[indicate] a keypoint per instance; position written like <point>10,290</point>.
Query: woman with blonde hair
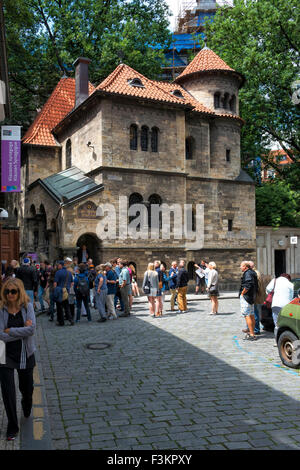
<point>150,287</point>
<point>17,328</point>
<point>213,287</point>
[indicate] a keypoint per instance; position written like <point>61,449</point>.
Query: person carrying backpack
<point>82,291</point>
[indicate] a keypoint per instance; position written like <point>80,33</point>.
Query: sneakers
<point>248,337</point>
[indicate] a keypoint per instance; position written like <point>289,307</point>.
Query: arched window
<point>217,97</point>
<point>144,138</point>
<point>189,148</point>
<point>232,103</point>
<point>134,198</point>
<point>154,139</point>
<point>68,153</point>
<point>133,137</point>
<point>154,199</point>
<point>225,101</point>
<point>32,210</point>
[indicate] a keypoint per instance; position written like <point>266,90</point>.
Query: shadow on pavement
<point>152,389</point>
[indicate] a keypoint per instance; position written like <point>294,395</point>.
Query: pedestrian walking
<point>63,280</point>
<point>17,328</point>
<point>101,292</point>
<point>213,287</point>
<point>150,287</point>
<point>283,293</point>
<point>82,291</point>
<point>247,294</point>
<point>182,286</point>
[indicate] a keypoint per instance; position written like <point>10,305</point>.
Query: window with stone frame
<point>225,101</point>
<point>68,153</point>
<point>144,138</point>
<point>217,100</point>
<point>133,137</point>
<point>134,198</point>
<point>154,139</point>
<point>228,155</point>
<point>189,148</point>
<point>154,199</point>
<point>232,104</point>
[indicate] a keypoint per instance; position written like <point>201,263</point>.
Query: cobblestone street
<point>184,381</point>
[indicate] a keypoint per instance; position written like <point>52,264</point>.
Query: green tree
<point>44,37</point>
<point>261,39</point>
<point>277,205</point>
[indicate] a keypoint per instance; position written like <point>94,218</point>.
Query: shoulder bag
<point>269,298</point>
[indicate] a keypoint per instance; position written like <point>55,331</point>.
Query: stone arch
<point>93,245</point>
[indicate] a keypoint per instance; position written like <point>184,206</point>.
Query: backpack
<point>83,286</point>
<point>91,278</point>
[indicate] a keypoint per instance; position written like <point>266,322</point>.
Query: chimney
<point>81,80</point>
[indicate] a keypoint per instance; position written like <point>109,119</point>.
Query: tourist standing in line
<point>82,291</point>
<point>111,280</point>
<point>213,287</point>
<point>247,295</point>
<point>173,281</point>
<point>182,286</point>
<point>124,283</point>
<point>29,276</point>
<point>63,279</point>
<point>283,293</point>
<point>17,328</point>
<point>151,281</point>
<point>101,292</point>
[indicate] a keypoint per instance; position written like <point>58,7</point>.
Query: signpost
<point>10,159</point>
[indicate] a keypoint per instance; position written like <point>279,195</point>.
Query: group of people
<point>253,293</point>
<point>157,281</point>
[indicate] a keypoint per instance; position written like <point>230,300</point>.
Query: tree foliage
<point>45,37</point>
<point>261,39</point>
<point>277,204</point>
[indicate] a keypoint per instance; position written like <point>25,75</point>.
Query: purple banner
<point>10,159</point>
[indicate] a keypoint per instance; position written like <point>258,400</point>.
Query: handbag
<point>60,294</point>
<point>146,287</point>
<point>269,298</point>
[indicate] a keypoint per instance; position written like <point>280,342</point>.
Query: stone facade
<point>99,139</point>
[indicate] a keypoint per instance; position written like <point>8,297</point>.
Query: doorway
<point>280,262</point>
<point>93,246</point>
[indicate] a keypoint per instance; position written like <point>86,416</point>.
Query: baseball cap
<point>108,264</point>
<point>68,259</point>
<point>91,266</point>
<point>26,261</point>
<point>61,262</point>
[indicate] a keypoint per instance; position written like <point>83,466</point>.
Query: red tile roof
<point>206,60</point>
<point>59,104</point>
<point>118,82</point>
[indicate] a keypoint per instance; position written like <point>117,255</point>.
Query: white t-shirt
<point>284,291</point>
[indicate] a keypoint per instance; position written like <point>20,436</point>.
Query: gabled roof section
<point>121,81</point>
<point>205,61</point>
<point>58,105</point>
<point>69,185</point>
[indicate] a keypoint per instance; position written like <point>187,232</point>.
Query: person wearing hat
<point>29,276</point>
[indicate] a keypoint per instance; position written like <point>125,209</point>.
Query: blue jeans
<point>100,302</point>
<point>85,300</point>
<point>30,295</point>
<point>40,297</point>
<point>257,309</point>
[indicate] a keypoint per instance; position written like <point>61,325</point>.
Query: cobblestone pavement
<point>183,381</point>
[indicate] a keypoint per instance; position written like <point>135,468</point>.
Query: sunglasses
<point>10,291</point>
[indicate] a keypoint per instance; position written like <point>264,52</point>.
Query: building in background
<point>189,29</point>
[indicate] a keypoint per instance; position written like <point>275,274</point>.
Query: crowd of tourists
<point>73,286</point>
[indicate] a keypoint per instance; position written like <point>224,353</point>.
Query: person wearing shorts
<point>247,294</point>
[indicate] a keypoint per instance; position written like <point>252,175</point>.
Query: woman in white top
<point>283,294</point>
<point>213,287</point>
<point>151,279</point>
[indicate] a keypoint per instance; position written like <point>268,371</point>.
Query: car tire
<point>289,356</point>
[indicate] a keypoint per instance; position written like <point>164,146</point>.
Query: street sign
<point>294,240</point>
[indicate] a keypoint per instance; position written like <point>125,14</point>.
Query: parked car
<point>296,283</point>
<point>287,334</point>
